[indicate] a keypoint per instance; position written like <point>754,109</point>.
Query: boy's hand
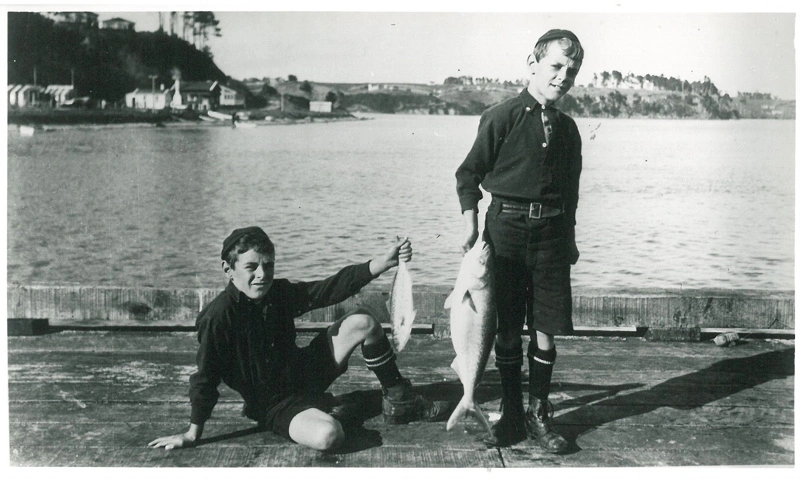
<point>178,441</point>
<point>399,252</point>
<point>572,250</point>
<point>470,230</point>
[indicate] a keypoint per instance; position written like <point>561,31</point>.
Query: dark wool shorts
<point>532,271</point>
<point>317,369</point>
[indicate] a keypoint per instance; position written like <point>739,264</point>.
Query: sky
<point>743,48</point>
<point>739,49</point>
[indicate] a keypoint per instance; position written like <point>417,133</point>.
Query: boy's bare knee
<point>328,437</point>
<point>362,326</point>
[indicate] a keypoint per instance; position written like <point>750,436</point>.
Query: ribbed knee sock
<point>381,360</point>
<point>541,364</point>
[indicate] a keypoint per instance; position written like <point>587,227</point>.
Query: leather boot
<point>510,429</point>
<point>539,423</point>
<point>402,405</point>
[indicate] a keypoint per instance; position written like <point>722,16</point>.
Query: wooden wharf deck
<point>96,398</point>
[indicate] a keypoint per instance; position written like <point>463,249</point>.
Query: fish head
<point>476,265</point>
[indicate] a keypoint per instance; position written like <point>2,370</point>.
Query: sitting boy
<point>247,339</point>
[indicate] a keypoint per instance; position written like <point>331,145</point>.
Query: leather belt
<point>533,210</point>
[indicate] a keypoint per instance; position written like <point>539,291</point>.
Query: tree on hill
<point>105,63</point>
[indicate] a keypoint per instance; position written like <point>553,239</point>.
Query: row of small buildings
<point>200,96</point>
<point>32,95</point>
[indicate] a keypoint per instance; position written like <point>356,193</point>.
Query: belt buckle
<point>535,211</point>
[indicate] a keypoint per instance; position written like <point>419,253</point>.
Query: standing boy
<point>247,339</point>
<point>528,156</point>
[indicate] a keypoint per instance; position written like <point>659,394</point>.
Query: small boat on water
<point>219,116</point>
<point>25,130</point>
<point>244,124</point>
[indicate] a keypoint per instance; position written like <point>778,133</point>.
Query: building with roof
<point>59,94</point>
<point>149,99</point>
<point>230,97</point>
<point>200,96</point>
<point>117,23</point>
<point>25,95</point>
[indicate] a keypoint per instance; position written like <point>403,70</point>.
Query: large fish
<point>473,325</point>
<point>401,307</point>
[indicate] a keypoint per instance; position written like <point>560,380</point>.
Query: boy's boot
<point>539,417</point>
<point>510,429</point>
<point>402,405</point>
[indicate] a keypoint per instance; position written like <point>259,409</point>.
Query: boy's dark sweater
<point>511,159</point>
<point>251,345</point>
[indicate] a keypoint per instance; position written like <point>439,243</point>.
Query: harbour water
<point>664,203</point>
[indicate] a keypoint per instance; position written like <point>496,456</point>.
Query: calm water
<point>664,204</point>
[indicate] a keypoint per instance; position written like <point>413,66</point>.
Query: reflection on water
<point>664,204</point>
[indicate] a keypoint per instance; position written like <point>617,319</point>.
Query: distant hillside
<point>105,64</point>
<point>580,102</point>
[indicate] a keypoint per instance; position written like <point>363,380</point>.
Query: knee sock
<point>541,371</point>
<point>509,364</point>
<point>381,360</point>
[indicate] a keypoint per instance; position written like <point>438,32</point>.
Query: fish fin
<point>460,412</point>
<point>477,413</point>
<point>448,303</point>
<point>468,299</point>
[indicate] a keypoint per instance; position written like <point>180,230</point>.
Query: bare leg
<point>348,333</point>
<point>316,429</point>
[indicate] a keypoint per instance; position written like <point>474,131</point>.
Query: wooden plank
<point>94,399</point>
<point>27,326</point>
<point>534,457</point>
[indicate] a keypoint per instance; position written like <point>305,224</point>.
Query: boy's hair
<point>567,40</point>
<point>243,240</point>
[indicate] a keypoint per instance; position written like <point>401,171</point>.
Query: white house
<point>320,106</point>
<point>12,94</point>
<point>117,23</point>
<point>26,95</point>
<point>230,97</point>
<point>147,99</point>
<point>60,93</point>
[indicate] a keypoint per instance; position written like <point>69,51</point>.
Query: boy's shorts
<point>317,366</point>
<point>532,271</point>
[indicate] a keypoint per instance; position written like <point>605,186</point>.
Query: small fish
<point>473,325</point>
<point>401,307</point>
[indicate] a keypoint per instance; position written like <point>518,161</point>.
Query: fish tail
<point>461,410</point>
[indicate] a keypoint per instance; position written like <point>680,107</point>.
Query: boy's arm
<point>305,296</point>
<point>479,161</point>
<point>470,229</point>
<point>203,384</point>
<point>571,203</point>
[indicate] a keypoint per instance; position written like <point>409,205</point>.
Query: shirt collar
<point>233,291</point>
<point>529,101</point>
<point>237,295</point>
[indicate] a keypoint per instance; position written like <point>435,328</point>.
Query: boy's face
<point>252,274</point>
<point>552,76</point>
